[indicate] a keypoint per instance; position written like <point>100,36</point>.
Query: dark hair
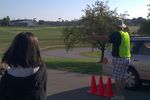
<point>24,51</point>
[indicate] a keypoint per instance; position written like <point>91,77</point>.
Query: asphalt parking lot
<point>74,86</point>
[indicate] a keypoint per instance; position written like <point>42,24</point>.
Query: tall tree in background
<point>145,26</point>
<point>98,18</point>
<point>148,16</point>
<point>5,21</point>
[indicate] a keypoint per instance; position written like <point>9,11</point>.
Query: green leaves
<point>98,18</point>
<point>74,35</point>
<point>144,28</point>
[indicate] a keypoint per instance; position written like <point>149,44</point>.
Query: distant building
<point>28,22</point>
<point>25,22</point>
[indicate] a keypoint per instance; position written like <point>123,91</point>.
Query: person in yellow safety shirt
<point>121,55</point>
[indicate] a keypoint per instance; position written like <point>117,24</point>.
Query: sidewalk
<point>75,53</point>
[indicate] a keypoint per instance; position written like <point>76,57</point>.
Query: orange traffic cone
<point>100,89</point>
<point>93,85</point>
<point>108,91</point>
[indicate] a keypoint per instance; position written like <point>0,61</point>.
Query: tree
<point>137,21</point>
<point>149,12</point>
<point>41,22</point>
<point>0,22</point>
<point>98,18</point>
<point>5,21</point>
<point>145,26</point>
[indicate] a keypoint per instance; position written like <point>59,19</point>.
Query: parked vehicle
<point>139,68</point>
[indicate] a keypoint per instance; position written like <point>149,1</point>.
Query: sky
<point>51,10</point>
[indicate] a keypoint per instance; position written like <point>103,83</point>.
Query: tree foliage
<point>5,21</point>
<point>98,18</point>
<point>148,16</point>
<point>41,22</point>
<point>145,26</point>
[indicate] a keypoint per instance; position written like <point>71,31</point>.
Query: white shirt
<point>22,72</point>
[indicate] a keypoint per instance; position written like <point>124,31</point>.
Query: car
<point>139,68</point>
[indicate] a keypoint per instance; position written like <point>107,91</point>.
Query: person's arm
<point>96,37</point>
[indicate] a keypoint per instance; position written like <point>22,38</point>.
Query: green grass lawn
<point>47,36</point>
<point>86,66</point>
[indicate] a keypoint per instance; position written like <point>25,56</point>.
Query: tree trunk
<point>103,52</point>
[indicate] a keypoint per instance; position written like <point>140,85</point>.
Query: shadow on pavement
<point>78,94</point>
<point>81,94</point>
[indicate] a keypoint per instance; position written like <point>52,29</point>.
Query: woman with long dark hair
<point>25,77</point>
